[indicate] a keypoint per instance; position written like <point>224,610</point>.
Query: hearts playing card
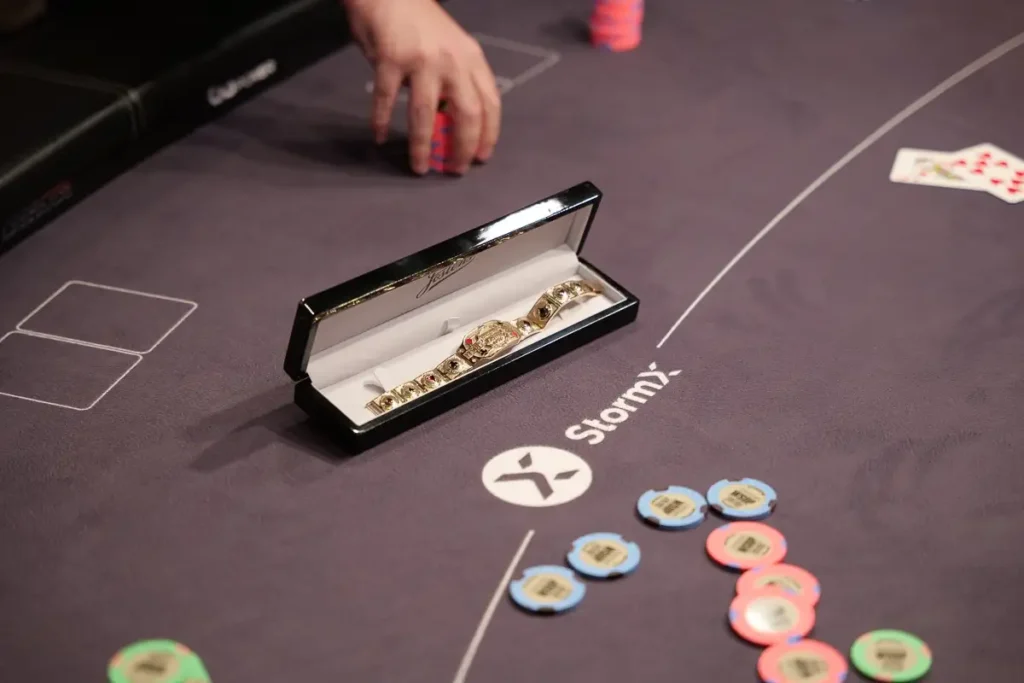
<point>931,167</point>
<point>992,169</point>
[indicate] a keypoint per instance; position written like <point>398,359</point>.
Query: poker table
<point>854,342</point>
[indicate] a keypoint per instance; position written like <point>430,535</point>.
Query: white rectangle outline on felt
<point>98,347</point>
<point>20,327</point>
<point>549,59</point>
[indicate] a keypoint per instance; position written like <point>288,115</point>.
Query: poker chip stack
<point>440,141</point>
<point>616,25</point>
<point>774,606</point>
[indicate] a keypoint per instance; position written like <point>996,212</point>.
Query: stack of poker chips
<point>440,140</point>
<point>616,25</point>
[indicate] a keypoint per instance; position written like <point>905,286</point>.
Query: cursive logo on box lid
<point>442,273</point>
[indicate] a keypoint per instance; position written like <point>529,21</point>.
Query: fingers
<point>461,75</point>
<point>477,111</point>
<point>386,83</point>
<point>490,101</point>
<point>424,94</point>
<point>469,116</point>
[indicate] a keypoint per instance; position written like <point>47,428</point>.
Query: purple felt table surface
<point>866,358</point>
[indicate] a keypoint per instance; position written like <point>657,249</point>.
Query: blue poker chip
<point>747,499</point>
<point>675,508</point>
<point>604,555</point>
<point>547,589</point>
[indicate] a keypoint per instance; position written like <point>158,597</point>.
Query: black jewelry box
<point>357,340</point>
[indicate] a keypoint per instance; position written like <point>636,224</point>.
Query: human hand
<point>418,42</point>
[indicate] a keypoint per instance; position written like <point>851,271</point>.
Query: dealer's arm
<point>418,42</point>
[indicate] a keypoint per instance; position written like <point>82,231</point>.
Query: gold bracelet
<point>486,342</point>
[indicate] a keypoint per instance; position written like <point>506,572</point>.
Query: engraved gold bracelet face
<point>488,341</point>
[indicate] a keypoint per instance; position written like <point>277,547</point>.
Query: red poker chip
<point>440,140</point>
<point>617,18</point>
<point>745,545</point>
<point>614,32</point>
<point>796,580</point>
<point>802,661</point>
<point>443,122</point>
<point>623,43</point>
<point>770,616</point>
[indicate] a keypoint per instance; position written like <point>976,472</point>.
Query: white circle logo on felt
<point>537,476</point>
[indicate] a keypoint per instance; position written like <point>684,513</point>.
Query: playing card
<point>993,169</point>
<point>930,167</point>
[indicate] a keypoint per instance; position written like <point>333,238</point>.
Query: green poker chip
<point>157,661</point>
<point>891,656</point>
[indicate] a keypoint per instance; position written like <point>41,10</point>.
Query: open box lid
<point>351,308</point>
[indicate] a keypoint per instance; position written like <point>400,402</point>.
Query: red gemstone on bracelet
<point>469,341</point>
